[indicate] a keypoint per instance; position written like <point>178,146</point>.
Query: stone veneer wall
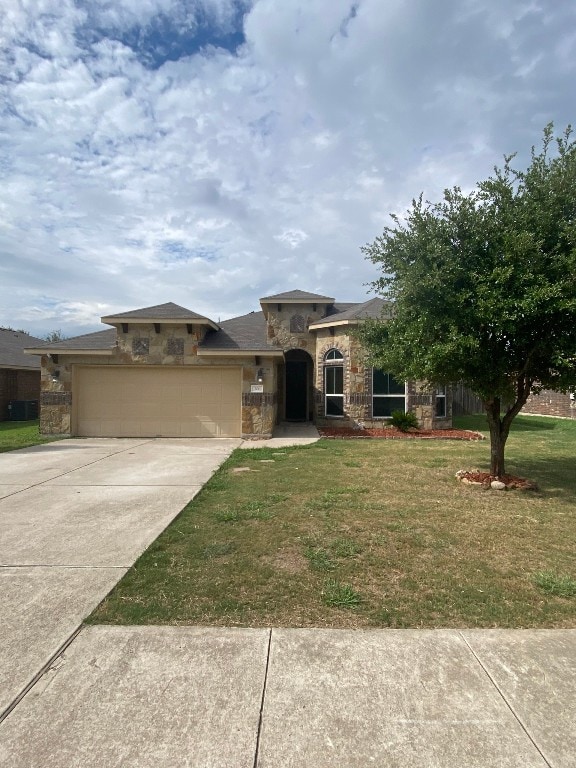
<point>173,346</point>
<point>358,388</point>
<point>259,410</point>
<point>282,327</point>
<point>287,329</point>
<point>356,399</point>
<point>549,403</point>
<point>17,384</point>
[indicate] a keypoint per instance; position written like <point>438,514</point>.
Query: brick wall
<point>17,385</point>
<point>549,403</point>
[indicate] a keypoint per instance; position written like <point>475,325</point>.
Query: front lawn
<point>369,534</point>
<point>22,434</point>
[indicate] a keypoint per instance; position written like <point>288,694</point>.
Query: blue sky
<point>209,152</point>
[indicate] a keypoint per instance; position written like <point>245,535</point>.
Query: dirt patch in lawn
<point>392,433</point>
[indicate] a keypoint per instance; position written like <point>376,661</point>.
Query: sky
<point>211,152</point>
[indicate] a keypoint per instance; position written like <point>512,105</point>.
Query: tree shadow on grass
<point>520,423</point>
<point>532,424</point>
<point>555,476</point>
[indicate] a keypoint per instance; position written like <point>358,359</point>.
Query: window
<point>440,402</point>
<point>334,383</point>
<point>387,394</point>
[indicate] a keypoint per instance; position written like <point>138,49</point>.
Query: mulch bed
<point>392,433</point>
<point>512,482</point>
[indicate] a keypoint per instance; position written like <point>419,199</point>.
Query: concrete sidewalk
<point>285,435</point>
<point>166,697</point>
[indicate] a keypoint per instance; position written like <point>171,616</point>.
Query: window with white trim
<point>440,409</point>
<point>334,383</point>
<point>387,394</point>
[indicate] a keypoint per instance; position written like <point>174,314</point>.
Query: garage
<point>124,401</point>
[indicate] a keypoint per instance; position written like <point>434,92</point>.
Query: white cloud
<point>220,177</point>
<point>293,238</point>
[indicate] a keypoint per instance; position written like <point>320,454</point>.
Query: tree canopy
<point>55,336</point>
<point>484,287</point>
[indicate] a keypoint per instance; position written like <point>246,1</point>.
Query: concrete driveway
<point>74,516</point>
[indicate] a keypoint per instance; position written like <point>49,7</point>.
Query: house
<point>171,372</point>
<point>19,373</point>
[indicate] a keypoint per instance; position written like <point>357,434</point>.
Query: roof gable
<point>160,313</point>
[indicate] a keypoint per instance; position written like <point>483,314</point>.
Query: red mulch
<point>392,433</point>
<point>485,478</point>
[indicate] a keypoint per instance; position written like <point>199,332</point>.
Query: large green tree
<point>484,287</point>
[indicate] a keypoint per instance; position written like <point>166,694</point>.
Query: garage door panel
<point>157,402</point>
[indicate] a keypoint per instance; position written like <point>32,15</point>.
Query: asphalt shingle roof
<point>245,332</point>
<point>297,296</point>
<point>168,311</point>
<point>368,309</point>
<point>12,344</point>
<point>104,340</point>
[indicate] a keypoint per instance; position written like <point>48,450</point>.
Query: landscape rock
<point>498,485</point>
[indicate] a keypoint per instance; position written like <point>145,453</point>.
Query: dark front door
<point>296,390</point>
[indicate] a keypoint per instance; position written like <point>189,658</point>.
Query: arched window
<point>334,383</point>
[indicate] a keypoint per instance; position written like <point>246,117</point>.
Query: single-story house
<point>19,373</point>
<point>168,371</point>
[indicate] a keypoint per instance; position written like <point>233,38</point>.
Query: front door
<point>296,390</point>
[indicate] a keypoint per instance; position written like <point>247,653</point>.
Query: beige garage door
<point>157,402</point>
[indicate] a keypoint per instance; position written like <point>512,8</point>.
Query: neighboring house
<point>167,371</point>
<point>19,373</point>
<point>549,403</point>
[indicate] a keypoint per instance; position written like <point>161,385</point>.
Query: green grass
<point>563,586</point>
<point>369,534</point>
<point>22,434</point>
<point>340,595</point>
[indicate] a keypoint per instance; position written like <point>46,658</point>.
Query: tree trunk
<point>500,426</point>
<point>498,436</point>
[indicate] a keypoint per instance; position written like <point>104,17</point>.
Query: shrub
<point>404,421</point>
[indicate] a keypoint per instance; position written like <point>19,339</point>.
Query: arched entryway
<point>298,404</point>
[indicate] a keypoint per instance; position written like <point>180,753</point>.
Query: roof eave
<point>239,352</point>
<point>318,325</point>
<point>56,351</point>
<point>115,320</point>
<point>323,300</point>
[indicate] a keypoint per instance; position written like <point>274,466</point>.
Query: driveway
<point>74,516</point>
